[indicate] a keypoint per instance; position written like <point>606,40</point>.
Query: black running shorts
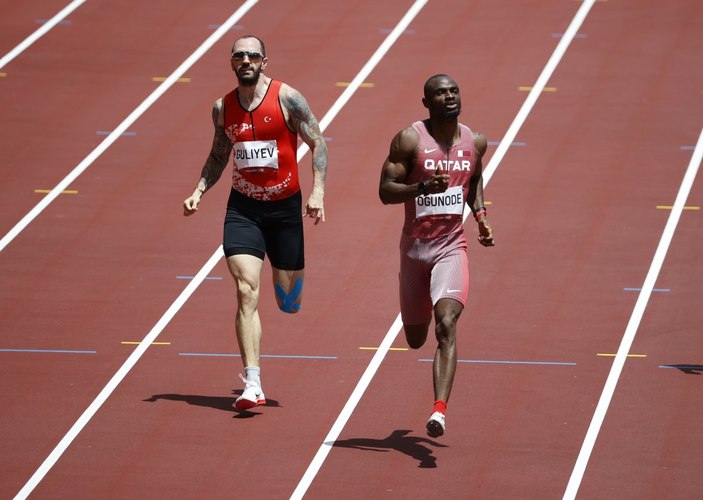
<point>259,228</point>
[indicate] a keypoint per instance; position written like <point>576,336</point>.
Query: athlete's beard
<point>451,113</point>
<point>249,81</point>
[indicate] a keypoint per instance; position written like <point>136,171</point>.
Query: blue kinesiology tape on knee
<point>288,299</point>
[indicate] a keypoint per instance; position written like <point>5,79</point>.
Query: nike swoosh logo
<point>430,150</point>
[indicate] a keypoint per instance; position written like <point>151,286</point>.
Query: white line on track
<point>632,326</point>
<point>127,122</point>
<point>371,369</point>
<point>83,420</point>
<point>217,255</point>
<point>395,328</point>
<point>43,30</point>
<point>537,89</point>
<point>212,261</point>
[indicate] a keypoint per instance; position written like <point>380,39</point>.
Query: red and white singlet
<point>433,257</point>
<point>264,148</point>
<point>440,214</point>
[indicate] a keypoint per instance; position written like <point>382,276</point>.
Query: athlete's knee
<point>247,294</point>
<point>446,324</point>
<point>415,335</point>
<point>446,317</point>
<point>290,301</point>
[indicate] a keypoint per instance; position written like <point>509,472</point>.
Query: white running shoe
<point>435,425</point>
<point>251,396</point>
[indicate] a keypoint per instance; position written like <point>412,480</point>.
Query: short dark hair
<point>429,81</point>
<point>261,42</point>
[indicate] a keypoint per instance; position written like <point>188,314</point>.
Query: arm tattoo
<point>219,154</point>
<point>305,123</point>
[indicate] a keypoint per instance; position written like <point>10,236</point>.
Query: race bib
<point>451,202</point>
<point>255,154</point>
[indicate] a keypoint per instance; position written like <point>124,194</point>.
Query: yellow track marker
<point>65,191</point>
<point>669,207</point>
<point>390,349</point>
<point>545,89</point>
<point>128,342</point>
<point>629,355</point>
<point>163,79</point>
<point>346,84</point>
<point>3,74</point>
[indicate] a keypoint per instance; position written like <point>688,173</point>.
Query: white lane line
<point>371,369</point>
<point>190,288</point>
<point>537,89</point>
<point>141,348</point>
<point>126,123</point>
<point>175,306</point>
<point>632,326</point>
<point>44,29</point>
<point>395,328</point>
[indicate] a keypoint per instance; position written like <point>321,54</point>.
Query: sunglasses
<point>254,57</point>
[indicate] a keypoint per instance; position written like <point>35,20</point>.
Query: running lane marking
<point>126,123</point>
<point>392,333</point>
<point>215,258</point>
<point>83,420</point>
<point>634,323</point>
<point>112,384</point>
<point>44,29</point>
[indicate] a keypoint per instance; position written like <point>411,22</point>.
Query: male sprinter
<point>257,124</point>
<point>434,167</point>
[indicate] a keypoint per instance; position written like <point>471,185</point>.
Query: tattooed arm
<point>216,160</point>
<point>300,118</point>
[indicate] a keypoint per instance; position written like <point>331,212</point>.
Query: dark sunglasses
<point>254,57</point>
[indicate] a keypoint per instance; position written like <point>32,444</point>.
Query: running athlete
<point>434,167</point>
<point>257,124</point>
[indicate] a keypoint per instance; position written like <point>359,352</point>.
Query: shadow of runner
<point>687,368</point>
<point>216,402</point>
<point>398,440</point>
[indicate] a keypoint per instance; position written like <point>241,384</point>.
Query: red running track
<point>574,205</point>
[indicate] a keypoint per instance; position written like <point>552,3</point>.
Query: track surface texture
<point>547,403</point>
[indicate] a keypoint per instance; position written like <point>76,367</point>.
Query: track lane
<point>175,427</point>
<point>100,83</point>
<point>172,240</point>
<point>557,320</point>
<point>21,20</point>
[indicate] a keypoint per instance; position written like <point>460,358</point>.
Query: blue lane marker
<point>123,134</point>
<point>489,361</point>
<point>683,367</point>
<point>687,148</point>
<point>233,355</point>
<point>687,369</point>
<point>55,351</point>
<point>653,289</point>
<point>191,277</point>
<point>512,144</point>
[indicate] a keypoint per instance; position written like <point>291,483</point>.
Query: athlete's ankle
<point>440,406</point>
